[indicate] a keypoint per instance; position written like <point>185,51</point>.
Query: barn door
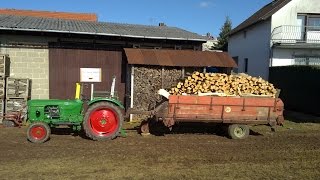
<point>64,71</point>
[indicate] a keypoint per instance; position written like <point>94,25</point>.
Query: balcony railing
<point>305,60</point>
<point>296,34</point>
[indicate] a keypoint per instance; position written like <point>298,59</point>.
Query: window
<point>307,29</point>
<point>301,22</point>
<point>244,34</point>
<point>246,65</point>
<point>314,23</point>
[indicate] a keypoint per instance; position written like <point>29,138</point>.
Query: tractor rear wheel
<point>238,131</point>
<point>38,132</point>
<point>102,121</point>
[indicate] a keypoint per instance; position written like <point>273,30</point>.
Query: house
<point>50,48</point>
<point>282,33</point>
<point>210,44</point>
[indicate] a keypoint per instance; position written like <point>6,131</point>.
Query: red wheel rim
<point>103,122</point>
<point>38,132</point>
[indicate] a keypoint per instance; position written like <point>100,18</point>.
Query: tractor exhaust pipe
<point>113,85</point>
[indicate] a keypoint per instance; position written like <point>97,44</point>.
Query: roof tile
<point>101,28</point>
<point>262,14</point>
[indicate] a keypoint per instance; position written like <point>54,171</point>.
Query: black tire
<point>91,131</point>
<point>41,128</point>
<point>238,131</point>
<point>144,127</point>
<point>8,123</point>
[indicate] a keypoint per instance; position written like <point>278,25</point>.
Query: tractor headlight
<point>37,113</point>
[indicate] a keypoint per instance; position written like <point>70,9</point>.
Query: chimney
<point>162,24</point>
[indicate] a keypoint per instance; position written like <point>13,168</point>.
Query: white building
<point>282,33</point>
<point>210,44</point>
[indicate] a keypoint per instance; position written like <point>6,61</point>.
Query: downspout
<point>271,56</point>
<point>131,91</point>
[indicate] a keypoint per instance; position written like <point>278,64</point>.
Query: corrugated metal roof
<point>25,23</point>
<point>261,15</point>
<point>182,58</point>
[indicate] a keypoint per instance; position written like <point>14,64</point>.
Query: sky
<point>199,16</point>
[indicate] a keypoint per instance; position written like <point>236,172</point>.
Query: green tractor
<point>102,120</point>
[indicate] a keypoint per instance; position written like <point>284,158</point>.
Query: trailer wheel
<point>144,127</point>
<point>38,132</point>
<point>238,131</point>
<point>102,121</point>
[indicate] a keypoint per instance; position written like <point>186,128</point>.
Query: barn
<point>52,49</point>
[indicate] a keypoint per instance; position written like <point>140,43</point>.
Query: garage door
<point>64,71</point>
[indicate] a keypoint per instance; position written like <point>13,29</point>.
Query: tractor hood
<point>52,110</point>
<point>53,102</point>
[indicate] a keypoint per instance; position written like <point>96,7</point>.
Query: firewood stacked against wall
<point>171,76</point>
<point>223,84</point>
<point>147,81</point>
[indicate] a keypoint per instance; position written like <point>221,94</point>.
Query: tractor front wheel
<point>38,132</point>
<point>102,121</point>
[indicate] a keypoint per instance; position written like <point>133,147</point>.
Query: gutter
<point>102,34</point>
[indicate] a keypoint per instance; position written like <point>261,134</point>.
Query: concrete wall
<point>30,60</point>
<point>285,57</point>
<point>255,46</point>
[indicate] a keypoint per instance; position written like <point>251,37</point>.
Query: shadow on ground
<point>299,117</point>
<point>158,129</point>
<point>68,131</point>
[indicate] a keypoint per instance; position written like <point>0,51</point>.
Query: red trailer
<point>236,112</point>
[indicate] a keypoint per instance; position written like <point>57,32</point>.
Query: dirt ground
<point>293,152</point>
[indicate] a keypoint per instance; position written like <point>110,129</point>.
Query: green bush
<point>300,87</point>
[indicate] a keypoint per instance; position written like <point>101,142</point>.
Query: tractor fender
<point>113,101</point>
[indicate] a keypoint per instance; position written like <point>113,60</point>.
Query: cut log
<point>231,85</point>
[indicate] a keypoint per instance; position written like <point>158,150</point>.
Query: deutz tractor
<point>101,121</point>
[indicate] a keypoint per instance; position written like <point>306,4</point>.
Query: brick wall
<point>32,63</point>
<point>51,14</point>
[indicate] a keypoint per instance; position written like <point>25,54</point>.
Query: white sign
<point>90,74</point>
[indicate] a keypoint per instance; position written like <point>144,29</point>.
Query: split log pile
<point>171,76</point>
<point>223,85</point>
<point>148,80</point>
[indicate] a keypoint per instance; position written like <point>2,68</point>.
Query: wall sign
<point>90,74</point>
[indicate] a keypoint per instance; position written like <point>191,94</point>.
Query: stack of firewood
<point>147,81</point>
<point>224,85</point>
